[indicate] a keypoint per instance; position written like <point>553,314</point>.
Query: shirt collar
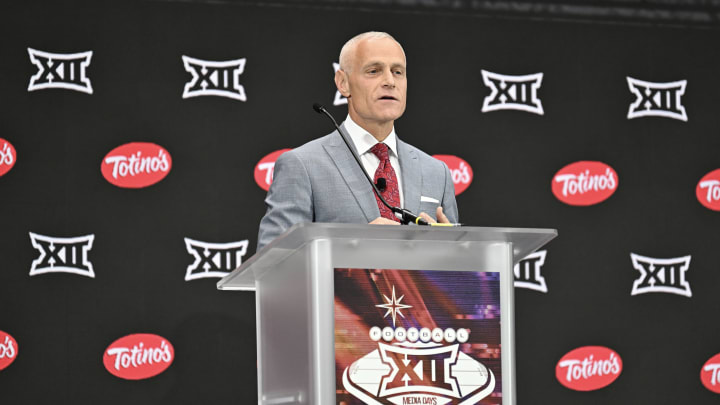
<point>364,141</point>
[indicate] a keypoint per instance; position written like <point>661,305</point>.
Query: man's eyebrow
<point>379,64</point>
<point>373,64</point>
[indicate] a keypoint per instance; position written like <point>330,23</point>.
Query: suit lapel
<point>411,176</point>
<point>352,174</point>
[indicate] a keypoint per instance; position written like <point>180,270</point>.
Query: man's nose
<point>388,79</point>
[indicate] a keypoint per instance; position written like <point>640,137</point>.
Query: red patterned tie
<point>385,170</point>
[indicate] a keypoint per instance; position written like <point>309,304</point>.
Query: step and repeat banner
<point>137,142</point>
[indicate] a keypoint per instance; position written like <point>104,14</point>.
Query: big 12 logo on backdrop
<point>460,171</point>
<point>708,190</point>
<point>710,374</point>
<point>60,71</point>
<point>585,183</point>
<point>136,165</point>
<point>62,255</point>
<point>214,78</point>
<point>661,275</point>
<point>339,98</point>
<point>8,156</point>
<point>265,168</point>
<point>213,259</point>
<point>510,92</point>
<point>138,356</point>
<point>588,368</point>
<point>657,99</point>
<point>8,349</point>
<point>528,272</point>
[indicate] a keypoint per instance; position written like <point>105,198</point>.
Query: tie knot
<point>380,150</point>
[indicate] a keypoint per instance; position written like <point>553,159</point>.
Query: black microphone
<point>406,216</point>
<point>381,184</point>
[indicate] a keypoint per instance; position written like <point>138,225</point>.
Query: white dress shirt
<point>363,142</point>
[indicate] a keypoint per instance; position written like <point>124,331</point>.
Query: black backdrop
<point>63,322</point>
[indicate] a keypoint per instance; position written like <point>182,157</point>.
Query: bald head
<point>347,53</point>
<point>372,77</point>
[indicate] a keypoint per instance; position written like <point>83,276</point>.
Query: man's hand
<point>438,213</point>
<point>383,221</point>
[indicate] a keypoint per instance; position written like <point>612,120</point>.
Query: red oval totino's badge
<point>710,374</point>
<point>589,368</point>
<point>460,170</point>
<point>138,356</point>
<point>708,190</point>
<point>8,350</point>
<point>265,168</point>
<point>136,165</point>
<point>584,183</point>
<point>7,156</point>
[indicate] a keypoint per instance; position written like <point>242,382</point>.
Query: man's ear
<point>341,83</point>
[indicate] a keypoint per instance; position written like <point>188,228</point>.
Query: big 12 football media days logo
<point>417,337</point>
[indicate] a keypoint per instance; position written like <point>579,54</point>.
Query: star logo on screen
<point>393,306</point>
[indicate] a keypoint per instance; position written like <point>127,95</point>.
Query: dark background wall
<point>64,322</point>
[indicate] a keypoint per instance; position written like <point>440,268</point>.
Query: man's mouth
<point>388,98</point>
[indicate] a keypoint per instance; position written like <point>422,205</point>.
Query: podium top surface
<point>524,241</point>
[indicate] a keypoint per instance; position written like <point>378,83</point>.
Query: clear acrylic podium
<point>292,278</point>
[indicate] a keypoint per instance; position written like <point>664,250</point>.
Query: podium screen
<point>417,337</point>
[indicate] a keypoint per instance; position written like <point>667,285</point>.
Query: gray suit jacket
<point>321,182</point>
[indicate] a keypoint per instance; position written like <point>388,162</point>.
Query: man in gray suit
<point>321,182</point>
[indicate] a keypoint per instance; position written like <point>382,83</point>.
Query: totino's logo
<point>8,156</point>
<point>62,255</point>
<point>60,71</point>
<point>708,190</point>
<point>138,356</point>
<point>661,275</point>
<point>709,374</point>
<point>528,272</point>
<point>420,366</point>
<point>136,165</point>
<point>512,92</point>
<point>584,183</point>
<point>460,170</point>
<point>339,98</point>
<point>8,350</point>
<point>213,259</point>
<point>588,368</point>
<point>265,168</point>
<point>657,99</point>
<point>211,78</point>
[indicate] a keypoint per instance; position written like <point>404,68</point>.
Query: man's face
<point>376,84</point>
